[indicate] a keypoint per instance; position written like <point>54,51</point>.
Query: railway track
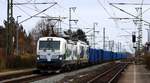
<point>27,78</point>
<point>109,76</point>
<point>20,79</point>
<point>15,74</point>
<point>105,74</point>
<point>24,77</point>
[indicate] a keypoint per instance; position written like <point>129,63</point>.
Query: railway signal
<point>133,37</point>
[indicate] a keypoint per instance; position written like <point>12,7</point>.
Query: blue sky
<point>87,12</point>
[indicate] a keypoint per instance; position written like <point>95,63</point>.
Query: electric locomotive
<point>58,53</point>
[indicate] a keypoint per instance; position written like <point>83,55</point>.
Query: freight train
<point>54,53</point>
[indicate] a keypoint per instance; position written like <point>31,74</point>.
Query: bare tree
<point>44,28</point>
<point>77,35</point>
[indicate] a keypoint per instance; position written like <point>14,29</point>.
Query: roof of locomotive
<point>61,39</point>
<point>52,38</point>
<point>81,42</point>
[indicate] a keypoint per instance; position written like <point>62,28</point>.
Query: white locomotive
<point>56,53</point>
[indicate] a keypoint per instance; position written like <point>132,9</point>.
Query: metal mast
<point>139,21</point>
<point>58,19</point>
<point>94,25</point>
<point>140,30</point>
<point>104,45</point>
<point>70,18</point>
<point>9,27</point>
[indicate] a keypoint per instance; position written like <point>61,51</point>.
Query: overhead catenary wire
<point>139,45</point>
<point>82,20</point>
<point>108,12</point>
<point>34,3</point>
<point>28,2</point>
<point>38,13</point>
<point>142,3</point>
<point>127,12</point>
<point>23,11</point>
<point>117,25</point>
<point>111,15</point>
<point>37,10</point>
<point>104,8</point>
<point>115,21</point>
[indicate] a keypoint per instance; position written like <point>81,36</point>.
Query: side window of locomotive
<point>82,51</point>
<point>87,51</point>
<point>68,51</point>
<point>74,51</point>
<point>65,47</point>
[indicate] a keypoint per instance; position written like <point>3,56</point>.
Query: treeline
<point>26,49</point>
<point>45,28</point>
<point>27,42</point>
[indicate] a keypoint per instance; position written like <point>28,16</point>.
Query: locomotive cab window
<point>49,45</point>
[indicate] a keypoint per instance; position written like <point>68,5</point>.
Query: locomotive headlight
<point>60,57</point>
<point>38,57</point>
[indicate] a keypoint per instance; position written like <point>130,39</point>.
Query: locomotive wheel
<point>65,68</point>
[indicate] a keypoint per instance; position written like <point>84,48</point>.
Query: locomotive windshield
<point>49,45</point>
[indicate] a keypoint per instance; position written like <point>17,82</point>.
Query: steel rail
<point>117,74</point>
<point>15,74</point>
<point>107,72</point>
<point>13,80</point>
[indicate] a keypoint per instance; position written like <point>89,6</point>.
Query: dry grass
<point>146,58</point>
<point>17,62</point>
